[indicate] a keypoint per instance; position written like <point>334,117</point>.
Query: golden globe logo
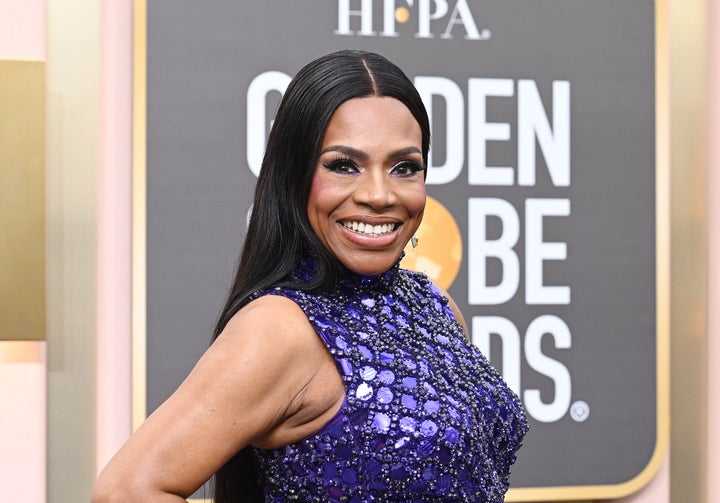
<point>439,247</point>
<point>433,17</point>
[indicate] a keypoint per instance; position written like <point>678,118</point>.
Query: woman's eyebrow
<point>403,152</point>
<point>348,151</point>
<point>363,156</point>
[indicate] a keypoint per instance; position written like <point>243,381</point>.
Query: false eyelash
<point>338,163</point>
<point>414,166</point>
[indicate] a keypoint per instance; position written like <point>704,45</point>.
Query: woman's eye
<point>407,168</point>
<point>341,166</point>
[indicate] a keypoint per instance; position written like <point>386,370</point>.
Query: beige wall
<point>689,157</point>
<point>87,179</point>
<point>73,77</point>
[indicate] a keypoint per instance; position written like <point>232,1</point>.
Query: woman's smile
<point>368,191</point>
<point>369,229</point>
<point>370,235</point>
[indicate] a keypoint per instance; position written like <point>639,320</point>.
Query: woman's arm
<point>246,388</point>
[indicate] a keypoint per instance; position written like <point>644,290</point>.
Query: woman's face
<point>368,191</point>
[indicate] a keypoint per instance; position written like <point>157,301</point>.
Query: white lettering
<point>366,18</point>
<point>425,15</point>
<point>481,248</point>
<point>389,18</point>
<point>462,15</point>
<point>558,329</point>
<point>537,251</point>
<point>454,127</point>
<point>533,123</point>
<point>257,114</point>
<point>480,132</point>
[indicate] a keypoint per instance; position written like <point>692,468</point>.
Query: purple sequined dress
<point>426,418</point>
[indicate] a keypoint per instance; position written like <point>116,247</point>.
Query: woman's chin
<point>371,264</point>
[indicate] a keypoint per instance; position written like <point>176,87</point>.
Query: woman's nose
<point>375,190</point>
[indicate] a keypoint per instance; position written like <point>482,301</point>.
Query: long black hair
<point>279,234</point>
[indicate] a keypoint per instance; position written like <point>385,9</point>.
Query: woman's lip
<point>369,228</point>
<point>370,220</point>
<point>370,240</point>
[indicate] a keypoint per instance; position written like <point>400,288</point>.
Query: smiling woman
<point>334,374</point>
<point>368,191</point>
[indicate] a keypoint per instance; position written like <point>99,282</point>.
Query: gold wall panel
<point>22,200</point>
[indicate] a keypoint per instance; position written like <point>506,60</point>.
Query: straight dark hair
<point>279,234</point>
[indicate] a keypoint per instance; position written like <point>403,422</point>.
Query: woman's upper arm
<point>242,387</point>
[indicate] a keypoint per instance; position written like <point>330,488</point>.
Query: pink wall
<point>22,29</point>
<point>23,364</point>
<point>114,347</point>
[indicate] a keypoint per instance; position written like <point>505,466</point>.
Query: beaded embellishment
<point>426,418</point>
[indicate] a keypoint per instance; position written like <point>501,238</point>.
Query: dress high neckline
<point>307,267</point>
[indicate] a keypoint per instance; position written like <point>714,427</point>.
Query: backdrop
<point>542,213</point>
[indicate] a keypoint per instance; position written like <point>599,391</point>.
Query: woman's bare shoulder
<point>270,317</point>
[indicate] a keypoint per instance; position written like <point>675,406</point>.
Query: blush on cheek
<point>421,199</point>
<point>316,185</point>
<point>318,189</point>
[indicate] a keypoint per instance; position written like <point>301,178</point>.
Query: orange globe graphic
<point>439,246</point>
<point>402,14</point>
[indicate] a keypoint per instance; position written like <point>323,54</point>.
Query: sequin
<point>428,428</point>
<point>364,392</point>
<point>386,377</point>
<point>384,395</point>
<point>367,302</point>
<point>408,424</point>
<point>431,406</point>
<point>386,357</point>
<point>365,351</point>
<point>368,373</point>
<point>381,422</point>
<point>426,418</point>
<point>451,435</point>
<point>409,401</point>
<point>409,382</point>
<point>346,366</point>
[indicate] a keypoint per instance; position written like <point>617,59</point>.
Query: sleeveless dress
<point>426,418</point>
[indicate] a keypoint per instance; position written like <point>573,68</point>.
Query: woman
<point>334,375</point>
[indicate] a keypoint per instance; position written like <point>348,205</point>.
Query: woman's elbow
<point>107,491</point>
<point>112,490</point>
<point>103,493</point>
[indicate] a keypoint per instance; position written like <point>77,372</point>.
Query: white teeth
<point>368,229</point>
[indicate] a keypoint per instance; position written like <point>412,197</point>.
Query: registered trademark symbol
<point>580,411</point>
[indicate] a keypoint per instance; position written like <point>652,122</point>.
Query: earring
<point>414,241</point>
